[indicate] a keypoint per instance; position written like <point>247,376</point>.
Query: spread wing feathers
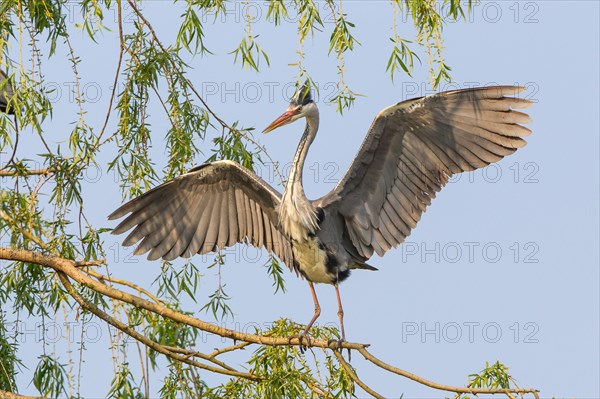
<point>411,150</point>
<point>211,207</point>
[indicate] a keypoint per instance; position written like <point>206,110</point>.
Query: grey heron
<point>409,153</point>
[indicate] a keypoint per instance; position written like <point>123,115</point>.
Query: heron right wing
<point>411,150</point>
<point>213,206</point>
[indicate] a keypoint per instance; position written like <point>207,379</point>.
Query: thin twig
<point>141,290</point>
<point>190,352</point>
<point>354,377</point>
<point>118,71</point>
<point>218,352</point>
<point>448,388</point>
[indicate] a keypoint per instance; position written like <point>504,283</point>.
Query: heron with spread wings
<point>410,151</point>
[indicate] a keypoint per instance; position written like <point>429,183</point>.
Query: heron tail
<point>363,265</point>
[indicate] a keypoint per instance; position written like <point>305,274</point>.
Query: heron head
<point>301,105</point>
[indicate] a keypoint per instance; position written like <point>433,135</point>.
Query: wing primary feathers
<point>423,142</point>
<point>197,241</point>
<point>233,219</point>
<point>212,232</point>
<point>223,222</point>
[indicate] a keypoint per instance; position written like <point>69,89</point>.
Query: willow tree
<point>54,262</point>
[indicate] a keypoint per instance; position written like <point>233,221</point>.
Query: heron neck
<point>297,216</point>
<point>294,183</point>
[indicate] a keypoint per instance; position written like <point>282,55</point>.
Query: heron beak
<point>284,119</point>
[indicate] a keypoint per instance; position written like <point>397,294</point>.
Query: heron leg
<point>317,311</point>
<point>340,311</point>
<point>341,317</point>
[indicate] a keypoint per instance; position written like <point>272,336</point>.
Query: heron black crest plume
<point>411,150</point>
<point>303,95</point>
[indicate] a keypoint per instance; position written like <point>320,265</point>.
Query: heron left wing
<point>211,207</point>
<point>411,150</point>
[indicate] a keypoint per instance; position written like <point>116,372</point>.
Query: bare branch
<point>189,353</point>
<point>448,388</point>
<point>102,277</point>
<point>218,352</point>
<point>88,263</point>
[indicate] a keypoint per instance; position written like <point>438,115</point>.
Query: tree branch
<point>10,395</point>
<point>448,388</point>
<point>28,172</point>
<point>353,375</point>
<point>66,269</point>
<point>139,337</point>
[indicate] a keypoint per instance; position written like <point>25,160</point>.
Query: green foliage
<point>123,385</point>
<point>494,376</point>
<point>217,301</point>
<point>402,57</point>
<point>309,18</point>
<point>429,24</point>
<point>275,270</point>
<point>173,281</point>
<point>288,372</point>
<point>341,39</point>
<point>191,31</point>
<point>8,353</point>
<point>234,146</point>
<point>182,382</point>
<point>344,99</point>
<point>276,11</point>
<point>49,377</point>
<point>165,331</point>
<point>249,53</point>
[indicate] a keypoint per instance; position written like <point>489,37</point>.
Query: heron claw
<point>340,343</point>
<point>301,338</point>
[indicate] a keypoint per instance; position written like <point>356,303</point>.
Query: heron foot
<point>340,343</point>
<point>301,338</point>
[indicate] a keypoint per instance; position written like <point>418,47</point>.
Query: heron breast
<point>319,263</point>
<point>316,264</point>
<point>298,218</point>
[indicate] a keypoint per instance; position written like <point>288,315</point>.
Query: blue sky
<point>503,265</point>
